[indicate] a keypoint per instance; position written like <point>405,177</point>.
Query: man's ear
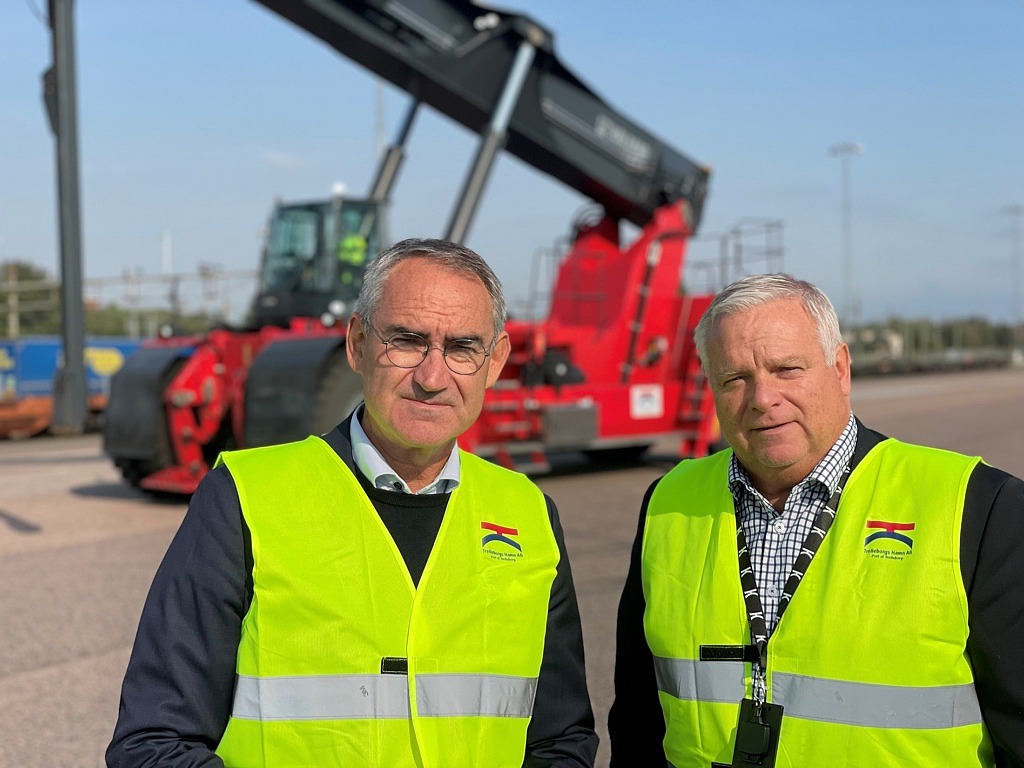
<point>354,343</point>
<point>502,348</point>
<point>842,367</point>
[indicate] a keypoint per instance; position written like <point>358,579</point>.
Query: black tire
<point>338,392</point>
<point>134,470</point>
<point>131,470</point>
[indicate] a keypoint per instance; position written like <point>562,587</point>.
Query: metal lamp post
<point>70,389</point>
<point>844,152</point>
<point>1014,212</point>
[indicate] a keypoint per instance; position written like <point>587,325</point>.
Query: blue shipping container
<point>28,365</point>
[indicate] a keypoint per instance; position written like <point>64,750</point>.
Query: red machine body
<point>204,399</point>
<point>618,370</point>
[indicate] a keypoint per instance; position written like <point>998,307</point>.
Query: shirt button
<point>780,526</point>
<point>773,591</point>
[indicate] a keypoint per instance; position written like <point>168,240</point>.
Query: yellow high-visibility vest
<point>869,658</point>
<point>344,662</point>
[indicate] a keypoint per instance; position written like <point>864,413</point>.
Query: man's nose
<point>432,374</point>
<point>763,393</point>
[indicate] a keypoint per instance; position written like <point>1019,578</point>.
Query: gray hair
<point>451,256</point>
<point>758,290</point>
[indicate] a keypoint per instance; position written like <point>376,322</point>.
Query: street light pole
<point>70,390</point>
<point>844,152</point>
<point>1014,212</point>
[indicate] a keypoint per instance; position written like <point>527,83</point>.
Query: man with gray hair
<point>374,597</point>
<point>818,594</point>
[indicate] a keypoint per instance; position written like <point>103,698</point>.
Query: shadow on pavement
<point>17,524</point>
<point>124,491</point>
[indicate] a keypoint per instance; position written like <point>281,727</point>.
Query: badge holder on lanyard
<point>760,723</point>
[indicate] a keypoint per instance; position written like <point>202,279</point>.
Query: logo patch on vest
<point>499,543</point>
<point>888,541</point>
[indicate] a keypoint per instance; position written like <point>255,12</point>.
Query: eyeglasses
<point>407,350</point>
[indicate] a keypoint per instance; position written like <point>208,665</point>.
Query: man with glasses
<point>374,597</point>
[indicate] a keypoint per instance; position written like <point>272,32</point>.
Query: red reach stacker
<point>609,371</point>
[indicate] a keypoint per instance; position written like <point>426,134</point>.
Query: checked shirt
<point>775,539</point>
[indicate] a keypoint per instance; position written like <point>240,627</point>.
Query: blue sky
<point>195,115</point>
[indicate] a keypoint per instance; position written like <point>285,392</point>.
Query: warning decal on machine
<point>646,401</point>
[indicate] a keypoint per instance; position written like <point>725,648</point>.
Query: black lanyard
<point>755,611</point>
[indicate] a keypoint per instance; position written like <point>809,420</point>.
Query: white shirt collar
<point>376,468</point>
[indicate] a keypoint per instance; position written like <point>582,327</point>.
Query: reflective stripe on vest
<point>475,695</point>
<point>877,706</point>
<point>343,697</point>
<point>874,706</point>
<point>718,681</point>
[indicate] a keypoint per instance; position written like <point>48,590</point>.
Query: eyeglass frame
<point>488,349</point>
